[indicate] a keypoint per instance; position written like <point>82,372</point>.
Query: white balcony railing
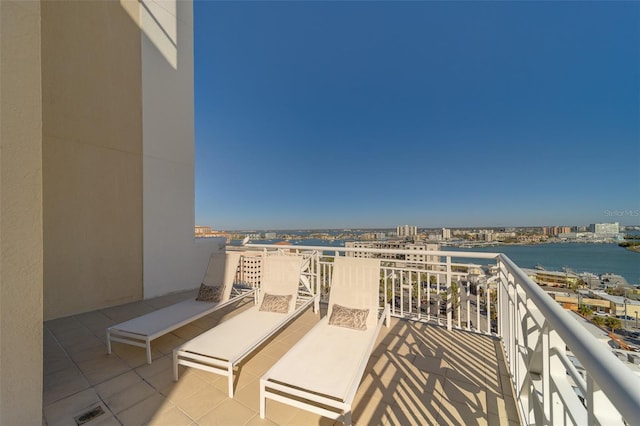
<point>535,331</point>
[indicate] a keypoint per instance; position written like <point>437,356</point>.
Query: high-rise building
<point>446,234</point>
<point>605,228</point>
<point>556,230</point>
<point>406,231</point>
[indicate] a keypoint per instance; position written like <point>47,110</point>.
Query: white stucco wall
<point>173,259</point>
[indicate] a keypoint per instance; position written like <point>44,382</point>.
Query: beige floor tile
<point>206,376</point>
<point>506,386</point>
<point>364,414</point>
<point>257,421</point>
<point>418,405</point>
<point>172,416</point>
<point>88,352</point>
<point>95,320</point>
<point>201,402</point>
<point>129,396</point>
<point>303,417</point>
<point>241,379</point>
<point>133,356</point>
<point>187,386</point>
<point>158,365</point>
<point>452,412</point>
<point>63,324</point>
<point>276,349</point>
<point>249,396</point>
<point>279,413</point>
<point>227,413</point>
<point>102,369</point>
<point>77,340</point>
<point>104,420</point>
<point>61,384</point>
<point>53,363</point>
<point>117,384</point>
<point>142,412</point>
<point>167,343</point>
<point>495,420</point>
<point>470,395</point>
<point>162,382</point>
<point>430,364</point>
<point>511,408</point>
<point>259,364</point>
<point>62,412</point>
<point>188,332</point>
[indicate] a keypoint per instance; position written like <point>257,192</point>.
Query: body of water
<point>579,257</point>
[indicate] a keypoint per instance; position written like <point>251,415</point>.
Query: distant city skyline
<point>330,115</point>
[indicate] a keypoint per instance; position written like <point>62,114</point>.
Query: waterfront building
<point>617,305</point>
<point>554,231</point>
<point>446,234</point>
<point>605,229</point>
<point>406,231</point>
<point>373,236</point>
<point>553,278</point>
<point>434,237</point>
<point>419,259</point>
<point>486,235</point>
<point>382,245</point>
<point>269,235</point>
<point>207,232</point>
<point>202,230</point>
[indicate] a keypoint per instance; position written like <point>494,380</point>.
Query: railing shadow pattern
<point>424,374</point>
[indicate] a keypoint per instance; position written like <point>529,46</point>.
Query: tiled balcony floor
<point>418,374</point>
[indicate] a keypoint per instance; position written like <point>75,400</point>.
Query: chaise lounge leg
<point>175,366</point>
<point>347,417</point>
<point>388,318</point>
<point>148,351</point>
<point>108,342</point>
<point>263,400</point>
<point>230,372</point>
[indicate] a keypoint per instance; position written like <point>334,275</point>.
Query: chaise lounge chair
<point>220,276</point>
<point>321,373</point>
<point>283,296</point>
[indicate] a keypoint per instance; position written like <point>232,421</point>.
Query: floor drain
<point>89,415</point>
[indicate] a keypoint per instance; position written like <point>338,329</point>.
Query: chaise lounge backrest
<point>221,271</point>
<point>281,277</point>
<point>355,284</point>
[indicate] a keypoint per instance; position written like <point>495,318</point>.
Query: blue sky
<point>377,114</point>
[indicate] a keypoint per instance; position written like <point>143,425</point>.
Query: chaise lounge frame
<point>221,349</point>
<point>140,331</point>
<point>311,375</point>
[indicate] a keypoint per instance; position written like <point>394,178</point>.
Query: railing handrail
<point>616,378</point>
<point>478,255</point>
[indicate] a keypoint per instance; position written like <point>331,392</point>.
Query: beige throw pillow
<point>275,303</point>
<point>349,317</point>
<point>209,293</point>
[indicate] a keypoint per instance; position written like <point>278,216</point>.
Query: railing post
<point>546,396</point>
<point>449,295</point>
<point>591,389</point>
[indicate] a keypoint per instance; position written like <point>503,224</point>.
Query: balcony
<point>443,360</point>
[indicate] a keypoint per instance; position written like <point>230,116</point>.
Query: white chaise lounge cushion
<point>328,369</point>
<point>231,338</point>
